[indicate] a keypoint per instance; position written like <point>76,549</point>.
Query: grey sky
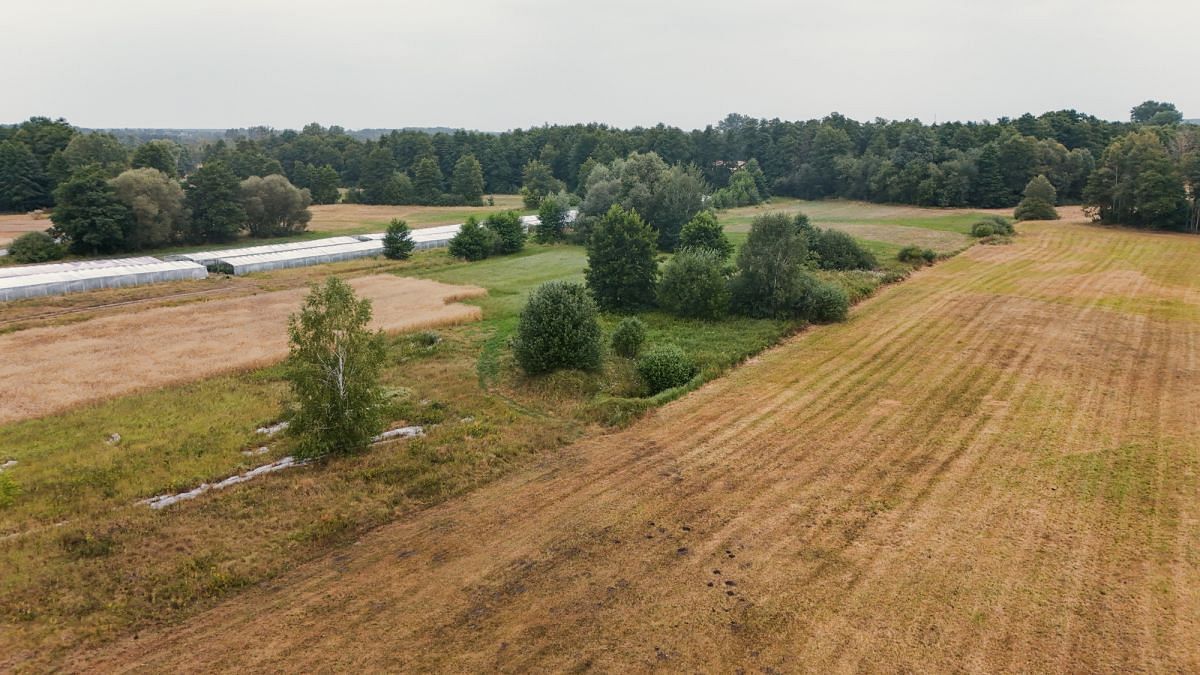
<point>498,65</point>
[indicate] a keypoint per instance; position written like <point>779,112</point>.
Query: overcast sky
<point>516,63</point>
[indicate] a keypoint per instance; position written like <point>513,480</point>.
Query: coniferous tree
<point>989,190</point>
<point>88,215</point>
<point>1039,200</point>
<point>467,181</point>
<point>427,181</point>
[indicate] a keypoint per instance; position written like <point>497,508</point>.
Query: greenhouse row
<point>210,257</point>
<point>263,262</point>
<point>26,270</point>
<point>95,278</point>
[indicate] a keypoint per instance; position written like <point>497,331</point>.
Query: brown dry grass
<point>339,218</point>
<point>14,225</point>
<point>118,354</point>
<point>970,474</point>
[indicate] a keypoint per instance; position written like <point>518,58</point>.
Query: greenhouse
<point>263,262</point>
<point>48,268</point>
<point>209,257</point>
<point>73,281</point>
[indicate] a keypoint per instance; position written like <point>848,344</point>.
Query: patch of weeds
<point>82,545</point>
<point>9,490</point>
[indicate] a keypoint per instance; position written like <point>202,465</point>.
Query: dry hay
<point>958,478</point>
<point>52,368</point>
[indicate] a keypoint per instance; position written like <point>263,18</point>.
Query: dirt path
<point>118,354</point>
<point>991,467</point>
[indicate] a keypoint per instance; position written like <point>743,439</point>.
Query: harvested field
<point>990,467</point>
<point>118,354</point>
<point>360,218</point>
<point>14,225</point>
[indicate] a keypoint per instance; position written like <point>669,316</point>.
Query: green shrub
<point>558,329</point>
<point>397,243</point>
<point>473,241</point>
<point>704,231</point>
<point>983,229</point>
<point>509,233</point>
<point>35,247</point>
<point>81,545</point>
<point>837,250</point>
<point>9,490</point>
<point>693,285</point>
<point>916,254</point>
<point>665,366</point>
<point>823,302</point>
<point>628,336</point>
<point>1000,224</point>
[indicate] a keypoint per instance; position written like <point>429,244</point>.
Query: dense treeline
<point>987,164</point>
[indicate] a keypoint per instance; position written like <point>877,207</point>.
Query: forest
<point>1142,173</point>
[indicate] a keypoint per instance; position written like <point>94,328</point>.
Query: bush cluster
<point>693,285</point>
<point>665,366</point>
<point>628,336</point>
<point>558,329</point>
<point>916,254</point>
<point>35,247</point>
<point>500,234</point>
<point>837,250</point>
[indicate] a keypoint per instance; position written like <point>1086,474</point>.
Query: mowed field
<point>121,353</point>
<point>990,467</point>
<point>363,218</point>
<point>16,224</point>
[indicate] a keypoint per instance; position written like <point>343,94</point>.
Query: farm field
<point>123,353</point>
<point>13,225</point>
<point>992,466</point>
<point>340,219</point>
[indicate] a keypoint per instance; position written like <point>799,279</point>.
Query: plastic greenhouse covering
<point>73,281</point>
<point>47,268</point>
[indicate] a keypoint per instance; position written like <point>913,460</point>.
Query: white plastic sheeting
<point>48,268</point>
<point>209,257</point>
<point>58,283</point>
<point>298,258</point>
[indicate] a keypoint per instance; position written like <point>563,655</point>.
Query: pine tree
<point>1039,200</point>
<point>467,180</point>
<point>989,190</point>
<point>427,181</point>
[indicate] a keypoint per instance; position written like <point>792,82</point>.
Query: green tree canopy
<point>23,186</point>
<point>157,154</point>
<point>558,329</point>
<point>1136,183</point>
<point>467,180</point>
<point>537,181</point>
<point>274,207</point>
<point>428,181</point>
<point>771,266</point>
<point>473,241</point>
<point>705,232</point>
<point>157,204</point>
<point>622,269</point>
<point>213,197</point>
<point>552,220</point>
<point>334,367</point>
<point>1155,112</point>
<point>88,215</point>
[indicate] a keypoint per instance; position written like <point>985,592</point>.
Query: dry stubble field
<point>125,352</point>
<point>992,466</point>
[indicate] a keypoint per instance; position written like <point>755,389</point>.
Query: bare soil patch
<point>962,477</point>
<point>55,367</point>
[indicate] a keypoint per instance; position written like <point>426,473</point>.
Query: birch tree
<point>334,368</point>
